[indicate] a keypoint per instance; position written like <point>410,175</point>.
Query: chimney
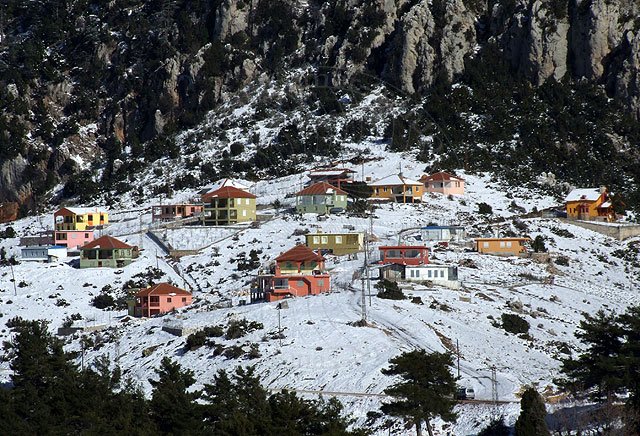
<point>603,189</point>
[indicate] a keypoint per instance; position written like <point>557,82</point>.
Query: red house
<point>333,176</point>
<point>160,298</point>
<point>404,254</point>
<point>297,272</point>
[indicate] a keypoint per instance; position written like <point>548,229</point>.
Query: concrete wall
<point>616,231</point>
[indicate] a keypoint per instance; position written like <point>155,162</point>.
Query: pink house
<point>168,212</point>
<point>443,183</point>
<point>160,298</point>
<point>73,238</point>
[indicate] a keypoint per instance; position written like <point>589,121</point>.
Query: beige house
<point>338,244</point>
<point>228,205</point>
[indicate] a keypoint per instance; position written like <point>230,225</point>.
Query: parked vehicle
<point>465,393</point>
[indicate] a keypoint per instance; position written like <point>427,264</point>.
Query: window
<point>101,217</point>
<point>62,236</point>
<point>501,244</point>
<point>321,282</point>
<point>325,239</point>
<point>184,299</point>
<point>89,217</point>
<point>300,283</point>
<point>74,236</point>
<point>384,189</point>
<point>376,191</point>
<point>338,239</point>
<point>168,299</point>
<point>316,239</point>
<point>485,244</point>
<point>429,273</point>
<point>442,273</point>
<point>244,212</point>
<point>86,236</point>
<point>508,244</point>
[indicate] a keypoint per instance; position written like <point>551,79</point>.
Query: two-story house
<point>321,198</point>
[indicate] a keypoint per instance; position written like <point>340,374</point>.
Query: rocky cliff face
<point>133,74</point>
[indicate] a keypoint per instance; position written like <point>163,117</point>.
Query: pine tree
<point>173,407</point>
<point>496,427</point>
<point>426,391</point>
<point>532,413</point>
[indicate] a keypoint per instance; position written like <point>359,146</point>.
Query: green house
<point>336,243</point>
<point>228,205</point>
<point>321,198</point>
<point>107,252</point>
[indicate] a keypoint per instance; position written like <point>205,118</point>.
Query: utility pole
<point>15,289</point>
<point>366,266</point>
<point>494,385</point>
<point>279,307</point>
<point>458,353</point>
<point>363,304</point>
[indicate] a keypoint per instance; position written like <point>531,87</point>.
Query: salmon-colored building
<point>169,212</point>
<point>589,204</point>
<point>501,246</point>
<point>443,183</point>
<point>297,272</point>
<point>404,254</point>
<point>160,298</point>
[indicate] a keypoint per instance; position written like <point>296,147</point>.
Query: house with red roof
<point>160,298</point>
<point>107,251</point>
<point>297,272</point>
<point>321,198</point>
<point>443,183</point>
<point>334,176</point>
<point>228,205</point>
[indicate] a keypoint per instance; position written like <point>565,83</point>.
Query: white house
<point>44,253</point>
<point>443,234</point>
<point>443,275</point>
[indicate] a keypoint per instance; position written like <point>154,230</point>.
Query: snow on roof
<point>81,210</point>
<point>228,182</point>
<point>605,205</point>
<point>330,172</point>
<point>321,188</point>
<point>589,194</point>
<point>395,180</point>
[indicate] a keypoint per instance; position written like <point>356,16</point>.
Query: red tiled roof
<point>440,176</point>
<point>403,247</point>
<point>321,188</point>
<point>107,242</point>
<point>162,289</point>
<point>299,253</point>
<point>228,192</point>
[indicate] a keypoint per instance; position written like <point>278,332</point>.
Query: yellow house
<point>338,244</point>
<point>501,246</point>
<point>80,218</point>
<point>589,204</point>
<point>397,188</point>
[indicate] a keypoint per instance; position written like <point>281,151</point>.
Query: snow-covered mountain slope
<point>321,350</point>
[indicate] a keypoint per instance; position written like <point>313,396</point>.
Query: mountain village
<point>449,241</point>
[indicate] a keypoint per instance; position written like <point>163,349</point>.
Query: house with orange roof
<point>443,183</point>
<point>589,204</point>
<point>397,188</point>
<point>297,272</point>
<point>159,299</point>
<point>321,198</point>
<point>228,205</point>
<point>107,251</point>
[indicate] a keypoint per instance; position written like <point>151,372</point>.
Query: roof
<point>588,194</point>
<point>321,188</point>
<point>228,182</point>
<point>330,172</point>
<point>395,180</point>
<point>516,238</point>
<point>442,227</point>
<point>81,210</point>
<point>605,205</point>
<point>228,192</point>
<point>299,253</point>
<point>440,175</point>
<point>162,289</point>
<point>107,242</point>
<point>403,247</point>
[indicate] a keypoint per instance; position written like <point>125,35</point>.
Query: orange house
<point>397,188</point>
<point>443,183</point>
<point>589,204</point>
<point>168,212</point>
<point>501,246</point>
<point>297,272</point>
<point>160,298</point>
